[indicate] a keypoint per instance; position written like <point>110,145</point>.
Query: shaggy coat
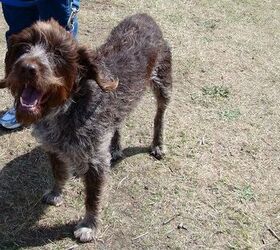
<point>77,98</point>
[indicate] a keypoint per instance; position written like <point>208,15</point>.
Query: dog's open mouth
<point>30,99</point>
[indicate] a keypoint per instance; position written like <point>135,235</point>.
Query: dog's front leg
<point>60,173</point>
<point>94,179</point>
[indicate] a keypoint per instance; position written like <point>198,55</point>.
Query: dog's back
<point>133,48</point>
<point>139,32</point>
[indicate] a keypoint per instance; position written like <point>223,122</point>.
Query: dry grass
<point>220,179</point>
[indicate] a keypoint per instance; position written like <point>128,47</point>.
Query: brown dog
<point>66,92</point>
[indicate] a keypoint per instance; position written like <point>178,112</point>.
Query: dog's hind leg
<point>60,173</point>
<point>162,87</point>
<point>115,147</point>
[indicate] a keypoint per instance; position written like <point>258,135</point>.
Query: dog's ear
<point>93,68</point>
<point>9,59</point>
<point>3,84</point>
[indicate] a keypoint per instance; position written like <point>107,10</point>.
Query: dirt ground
<point>218,187</point>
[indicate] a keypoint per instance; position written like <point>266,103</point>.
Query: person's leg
<point>60,10</point>
<point>17,19</point>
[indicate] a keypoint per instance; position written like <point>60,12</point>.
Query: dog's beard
<point>32,102</point>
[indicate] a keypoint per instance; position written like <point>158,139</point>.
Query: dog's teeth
<point>27,105</point>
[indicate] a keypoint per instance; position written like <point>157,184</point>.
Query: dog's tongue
<point>30,96</point>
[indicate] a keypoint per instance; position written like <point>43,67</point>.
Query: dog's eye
<point>58,58</point>
<point>58,52</point>
<point>20,50</point>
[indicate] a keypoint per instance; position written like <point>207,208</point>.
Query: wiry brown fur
<point>79,117</point>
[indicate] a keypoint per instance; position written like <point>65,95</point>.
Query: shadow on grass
<point>131,151</point>
<point>4,131</point>
<point>22,183</point>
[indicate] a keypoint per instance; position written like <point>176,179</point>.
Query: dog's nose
<point>29,68</point>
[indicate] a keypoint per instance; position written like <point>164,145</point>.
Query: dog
<point>76,98</point>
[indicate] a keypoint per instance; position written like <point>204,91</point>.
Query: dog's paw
<point>52,198</point>
<point>158,152</point>
<point>117,155</point>
<point>84,234</point>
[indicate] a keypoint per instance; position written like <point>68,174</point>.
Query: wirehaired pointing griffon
<point>77,98</point>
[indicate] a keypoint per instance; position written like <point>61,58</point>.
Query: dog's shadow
<point>22,184</point>
<point>5,131</point>
<point>128,152</point>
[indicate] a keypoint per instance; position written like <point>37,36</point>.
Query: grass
<point>216,91</point>
<point>221,172</point>
<point>230,114</point>
<point>246,193</point>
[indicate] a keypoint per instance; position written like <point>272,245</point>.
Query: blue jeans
<point>19,18</point>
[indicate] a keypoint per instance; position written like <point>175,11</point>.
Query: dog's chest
<point>77,149</point>
<point>68,144</point>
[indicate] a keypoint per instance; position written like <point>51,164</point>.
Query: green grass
<point>246,194</point>
<point>230,114</point>
<point>216,91</point>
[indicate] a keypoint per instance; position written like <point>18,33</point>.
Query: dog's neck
<point>59,110</point>
<point>82,93</point>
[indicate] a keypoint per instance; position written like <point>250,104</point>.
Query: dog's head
<point>41,69</point>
